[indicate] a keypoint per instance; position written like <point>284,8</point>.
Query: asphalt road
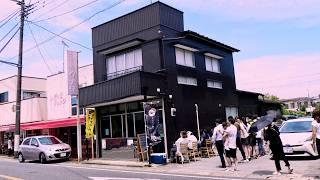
<point>13,170</point>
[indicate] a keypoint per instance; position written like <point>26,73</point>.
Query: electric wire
<point>43,58</point>
<point>70,11</point>
<point>72,27</point>
<point>8,32</point>
<point>32,23</point>
<point>52,9</point>
<point>9,19</point>
<point>9,41</point>
<point>8,16</point>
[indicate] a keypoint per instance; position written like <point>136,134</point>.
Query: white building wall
<point>59,102</point>
<point>33,109</point>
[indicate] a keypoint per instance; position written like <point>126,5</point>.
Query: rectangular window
<point>187,80</point>
<point>74,106</point>
<point>185,57</point>
<point>214,84</point>
<point>124,63</point>
<point>4,97</point>
<point>212,64</point>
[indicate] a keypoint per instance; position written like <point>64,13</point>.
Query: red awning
<point>45,124</point>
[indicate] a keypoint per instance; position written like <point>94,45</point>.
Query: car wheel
<point>20,158</point>
<point>42,158</point>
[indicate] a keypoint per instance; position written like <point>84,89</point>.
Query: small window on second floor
<point>212,64</point>
<point>4,97</point>
<point>214,84</point>
<point>187,80</point>
<point>185,57</point>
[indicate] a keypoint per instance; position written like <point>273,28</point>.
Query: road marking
<point>115,178</point>
<point>149,173</point>
<point>9,177</point>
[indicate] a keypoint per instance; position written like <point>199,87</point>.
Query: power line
<point>62,14</point>
<point>9,19</point>
<point>8,32</point>
<point>72,27</point>
<point>60,36</point>
<point>9,40</point>
<point>50,10</point>
<point>12,14</point>
<point>44,60</point>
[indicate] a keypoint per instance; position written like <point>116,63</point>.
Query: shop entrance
<point>120,126</point>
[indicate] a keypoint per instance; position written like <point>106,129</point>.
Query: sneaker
<point>276,173</point>
<point>247,160</point>
<point>290,171</point>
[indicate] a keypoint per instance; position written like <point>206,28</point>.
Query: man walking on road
<point>231,147</point>
<point>218,141</point>
<point>272,135</point>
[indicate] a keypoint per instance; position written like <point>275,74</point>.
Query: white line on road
<point>9,177</point>
<point>149,173</point>
<point>115,178</point>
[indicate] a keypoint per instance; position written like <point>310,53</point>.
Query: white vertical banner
<point>72,73</point>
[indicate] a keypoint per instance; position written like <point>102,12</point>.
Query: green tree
<point>271,97</point>
<point>303,108</point>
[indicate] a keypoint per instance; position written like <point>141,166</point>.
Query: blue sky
<point>279,40</point>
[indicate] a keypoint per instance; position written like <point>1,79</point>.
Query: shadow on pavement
<point>263,172</point>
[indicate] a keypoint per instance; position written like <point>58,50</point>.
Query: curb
<point>117,163</point>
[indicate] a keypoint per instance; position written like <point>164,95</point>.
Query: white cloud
<point>283,75</point>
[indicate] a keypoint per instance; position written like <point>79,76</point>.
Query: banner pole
<point>92,147</point>
<point>164,128</point>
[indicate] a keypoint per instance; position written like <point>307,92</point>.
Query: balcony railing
<point>114,75</point>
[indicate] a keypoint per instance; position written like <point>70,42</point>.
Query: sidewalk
<point>261,168</point>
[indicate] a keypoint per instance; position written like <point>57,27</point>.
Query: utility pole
<point>18,99</point>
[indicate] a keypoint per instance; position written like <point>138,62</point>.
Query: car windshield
<point>49,140</point>
<point>296,127</point>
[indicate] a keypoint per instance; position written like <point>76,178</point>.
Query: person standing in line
<point>231,147</point>
<point>316,131</point>
<point>259,138</point>
<point>218,141</point>
<point>239,144</point>
<point>244,138</point>
<point>272,135</point>
<point>10,147</point>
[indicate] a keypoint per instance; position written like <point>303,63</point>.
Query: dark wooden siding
<point>143,19</point>
<point>136,83</point>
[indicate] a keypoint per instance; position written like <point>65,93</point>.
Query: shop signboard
<point>90,122</point>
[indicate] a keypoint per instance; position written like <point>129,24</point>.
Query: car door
<point>34,149</point>
<point>25,148</point>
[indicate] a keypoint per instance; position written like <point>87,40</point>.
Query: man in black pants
<point>239,144</point>
<point>217,139</point>
<point>272,135</point>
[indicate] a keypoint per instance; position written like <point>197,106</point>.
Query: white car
<point>296,137</point>
<point>43,148</point>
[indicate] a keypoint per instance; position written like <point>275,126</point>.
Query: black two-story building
<point>147,55</point>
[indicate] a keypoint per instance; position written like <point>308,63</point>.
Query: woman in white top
<point>244,138</point>
<point>316,130</point>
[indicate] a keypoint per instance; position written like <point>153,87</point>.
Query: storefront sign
<point>90,122</point>
<point>152,121</point>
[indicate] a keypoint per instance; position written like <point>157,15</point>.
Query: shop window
<point>140,127</point>
<point>116,126</point>
<point>4,97</point>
